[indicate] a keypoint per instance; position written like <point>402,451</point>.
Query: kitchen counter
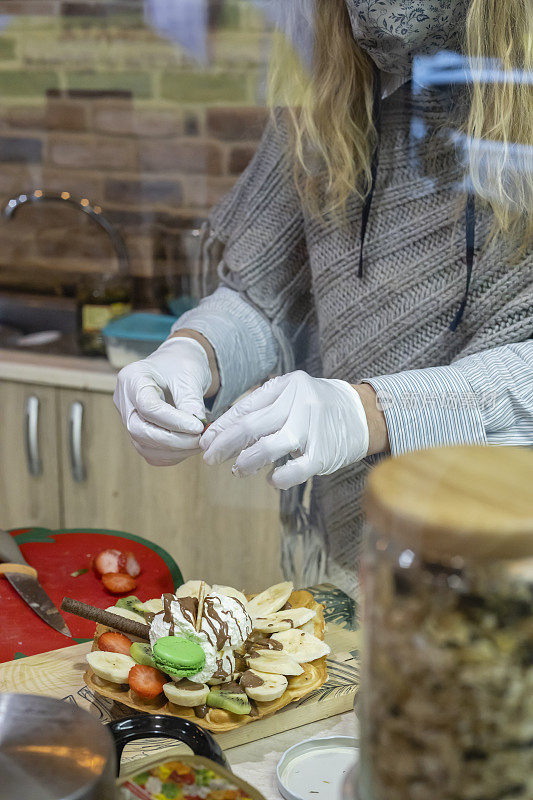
<point>69,372</point>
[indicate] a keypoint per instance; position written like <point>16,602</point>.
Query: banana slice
<point>229,591</point>
<point>275,662</point>
<point>154,606</point>
<point>127,613</point>
<point>272,687</point>
<point>301,646</point>
<point>114,667</point>
<point>309,627</point>
<point>270,600</point>
<point>190,589</point>
<point>283,620</point>
<point>183,693</point>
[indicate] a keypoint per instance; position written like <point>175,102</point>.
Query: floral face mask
<point>392,32</point>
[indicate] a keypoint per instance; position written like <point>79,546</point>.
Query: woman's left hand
<point>320,422</point>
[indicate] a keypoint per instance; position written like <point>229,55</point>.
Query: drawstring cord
<point>376,119</point>
<point>470,234</point>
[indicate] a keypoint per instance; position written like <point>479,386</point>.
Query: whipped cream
<point>225,621</point>
<point>225,626</point>
<point>180,626</point>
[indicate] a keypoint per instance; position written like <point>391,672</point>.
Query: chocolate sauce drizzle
<point>252,647</point>
<point>189,608</point>
<point>250,680</point>
<point>167,613</point>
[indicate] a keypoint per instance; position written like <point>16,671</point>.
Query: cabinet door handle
<point>75,426</point>
<point>31,436</point>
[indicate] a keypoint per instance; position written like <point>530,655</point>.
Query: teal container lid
<point>141,326</point>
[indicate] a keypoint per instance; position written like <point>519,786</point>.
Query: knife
<point>23,579</point>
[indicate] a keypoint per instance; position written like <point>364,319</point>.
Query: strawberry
<point>147,682</point>
<point>114,642</point>
<point>116,561</point>
<point>118,582</point>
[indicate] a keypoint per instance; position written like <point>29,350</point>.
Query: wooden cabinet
<point>29,458</point>
<point>216,526</point>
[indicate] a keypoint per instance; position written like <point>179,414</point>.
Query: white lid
<point>316,769</point>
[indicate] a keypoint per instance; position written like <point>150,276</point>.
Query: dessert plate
<point>218,720</point>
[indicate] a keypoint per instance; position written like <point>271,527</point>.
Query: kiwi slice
<point>235,701</point>
<point>142,654</point>
<point>131,603</point>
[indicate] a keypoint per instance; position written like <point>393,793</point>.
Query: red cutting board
<point>57,554</point>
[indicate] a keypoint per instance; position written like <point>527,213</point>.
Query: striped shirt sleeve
<point>485,398</point>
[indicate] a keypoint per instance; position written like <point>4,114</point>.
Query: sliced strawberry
<point>107,561</point>
<point>147,682</point>
<point>132,565</point>
<point>114,642</point>
<point>118,582</point>
<point>116,561</point>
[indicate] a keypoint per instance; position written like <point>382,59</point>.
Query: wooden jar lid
<point>473,502</point>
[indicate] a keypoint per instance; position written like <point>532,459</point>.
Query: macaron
<point>178,656</point>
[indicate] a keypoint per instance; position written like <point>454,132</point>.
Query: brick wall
<point>96,102</point>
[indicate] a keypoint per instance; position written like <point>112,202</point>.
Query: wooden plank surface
<point>60,674</point>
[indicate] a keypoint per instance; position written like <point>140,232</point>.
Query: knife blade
<point>28,587</point>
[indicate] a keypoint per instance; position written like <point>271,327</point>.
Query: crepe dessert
<point>212,650</point>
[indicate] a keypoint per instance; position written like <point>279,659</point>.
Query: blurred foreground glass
<point>445,704</point>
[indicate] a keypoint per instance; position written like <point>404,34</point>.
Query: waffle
<point>218,720</point>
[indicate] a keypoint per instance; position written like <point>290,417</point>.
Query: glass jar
<point>446,698</point>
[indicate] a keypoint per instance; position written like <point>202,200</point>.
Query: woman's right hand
<point>161,400</point>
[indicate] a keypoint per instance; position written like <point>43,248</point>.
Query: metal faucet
<point>94,212</point>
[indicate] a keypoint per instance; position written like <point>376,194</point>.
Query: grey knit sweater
<point>301,275</point>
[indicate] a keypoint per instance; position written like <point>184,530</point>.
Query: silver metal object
<point>316,769</point>
<point>75,428</point>
<point>29,588</point>
<point>31,436</point>
<point>37,197</point>
<point>53,750</point>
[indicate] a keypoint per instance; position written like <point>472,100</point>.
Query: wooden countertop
<point>70,372</point>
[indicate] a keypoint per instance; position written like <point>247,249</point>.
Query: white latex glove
<point>320,422</point>
<point>158,396</point>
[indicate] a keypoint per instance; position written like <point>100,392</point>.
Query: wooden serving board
<point>59,673</point>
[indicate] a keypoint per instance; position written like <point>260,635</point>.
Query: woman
<point>342,253</point>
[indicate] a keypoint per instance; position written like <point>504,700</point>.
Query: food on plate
<point>178,656</point>
<point>302,646</point>
<point>271,600</point>
<point>186,693</point>
<point>130,603</point>
<point>116,561</point>
<point>190,589</point>
<point>114,642</point>
<point>275,661</point>
<point>151,606</point>
<point>229,591</point>
<point>146,681</point>
<point>113,667</point>
<point>213,650</point>
<point>230,697</point>
<point>142,654</point>
<point>263,686</point>
<point>283,620</point>
<point>126,613</point>
<point>118,582</point>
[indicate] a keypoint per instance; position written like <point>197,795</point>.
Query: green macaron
<point>178,656</point>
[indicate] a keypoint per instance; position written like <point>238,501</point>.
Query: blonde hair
<point>332,134</point>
